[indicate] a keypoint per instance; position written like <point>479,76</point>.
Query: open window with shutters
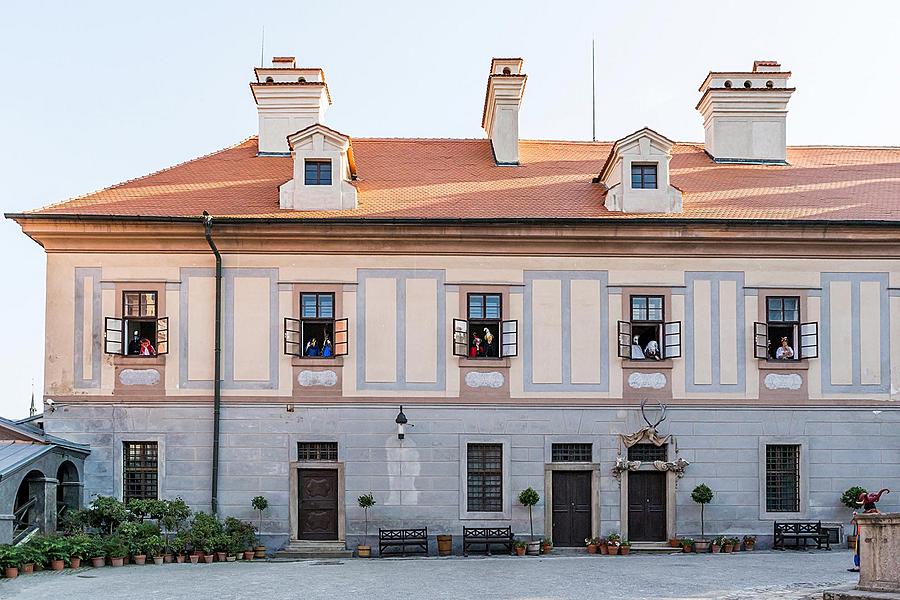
<point>316,334</point>
<point>648,336</point>
<point>485,334</point>
<point>140,332</point>
<point>783,336</point>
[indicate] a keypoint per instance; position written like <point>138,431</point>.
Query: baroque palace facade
<point>521,300</point>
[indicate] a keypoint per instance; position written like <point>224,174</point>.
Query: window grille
<point>485,477</point>
<point>321,451</point>
<point>570,452</point>
<point>647,452</point>
<point>643,176</point>
<point>140,471</point>
<point>783,478</point>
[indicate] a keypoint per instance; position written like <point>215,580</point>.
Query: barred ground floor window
<point>485,477</point>
<point>140,471</point>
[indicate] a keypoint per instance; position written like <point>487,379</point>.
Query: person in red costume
<point>147,348</point>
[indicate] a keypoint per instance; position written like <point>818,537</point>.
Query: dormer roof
<point>333,135</point>
<point>656,138</point>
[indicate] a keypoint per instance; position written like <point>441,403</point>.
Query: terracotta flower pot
<point>624,550</point>
<point>98,561</point>
<point>248,554</point>
<point>716,548</point>
<point>749,546</point>
<point>546,548</point>
<point>363,551</point>
<point>686,548</point>
<point>736,547</point>
<point>208,558</point>
<point>260,552</point>
<point>11,572</point>
<point>75,562</point>
<point>727,548</point>
<point>158,560</point>
<point>140,559</point>
<point>520,551</point>
<point>179,558</point>
<point>604,549</point>
<point>673,543</point>
<point>57,565</point>
<point>592,548</point>
<point>195,558</point>
<point>613,550</point>
<point>38,567</point>
<point>167,558</point>
<point>230,558</point>
<point>117,562</point>
<point>28,568</point>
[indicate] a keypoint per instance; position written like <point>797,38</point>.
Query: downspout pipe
<point>217,382</point>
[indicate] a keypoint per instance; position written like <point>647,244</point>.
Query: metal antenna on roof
<point>593,95</point>
<point>262,48</point>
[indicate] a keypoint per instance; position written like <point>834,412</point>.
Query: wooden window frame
<point>642,173</point>
<point>295,339</point>
<point>659,324</point>
<point>806,335</point>
<point>116,329</point>
<point>318,163</point>
<point>484,321</point>
<point>143,473</point>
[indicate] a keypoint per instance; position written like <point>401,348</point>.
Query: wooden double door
<point>318,504</point>
<point>571,507</point>
<point>647,506</point>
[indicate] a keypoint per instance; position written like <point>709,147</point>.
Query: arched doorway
<point>25,509</point>
<point>68,491</point>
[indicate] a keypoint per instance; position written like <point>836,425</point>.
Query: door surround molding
<point>594,468</point>
<point>294,518</point>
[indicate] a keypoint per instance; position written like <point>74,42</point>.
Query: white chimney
<point>744,114</point>
<point>500,120</point>
<point>288,99</point>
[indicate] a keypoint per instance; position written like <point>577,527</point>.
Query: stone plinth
<point>879,535</point>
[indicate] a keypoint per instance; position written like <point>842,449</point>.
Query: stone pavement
<point>779,575</point>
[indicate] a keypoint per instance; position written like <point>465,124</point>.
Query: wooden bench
<point>416,539</point>
<point>487,536</point>
<point>798,531</point>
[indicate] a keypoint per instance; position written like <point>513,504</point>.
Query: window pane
<point>655,302</point>
<point>636,180</point>
<point>492,306</point>
<point>326,306</point>
<point>476,306</point>
<point>775,315</point>
<point>774,303</point>
<point>311,174</point>
<point>790,304</point>
<point>308,306</point>
<point>325,173</point>
<point>791,315</point>
<point>655,314</point>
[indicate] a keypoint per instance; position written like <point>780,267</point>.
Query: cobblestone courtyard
<point>782,575</point>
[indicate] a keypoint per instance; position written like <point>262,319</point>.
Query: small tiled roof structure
<point>458,179</point>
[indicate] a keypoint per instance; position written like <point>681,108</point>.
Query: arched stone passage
<point>26,508</point>
<point>68,489</point>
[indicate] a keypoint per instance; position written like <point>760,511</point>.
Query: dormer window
<point>317,172</point>
<point>643,176</point>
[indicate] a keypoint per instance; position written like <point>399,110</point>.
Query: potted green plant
<point>749,542</point>
<point>366,501</point>
<point>591,545</point>
<point>81,547</point>
<point>735,544</point>
<point>96,552</point>
<point>727,545</point>
<point>717,543</point>
<point>702,495</point>
<point>220,546</point>
<point>117,549</point>
<point>58,552</point>
<point>259,505</point>
<point>153,546</point>
<point>849,499</point>
<point>179,545</point>
<point>529,498</point>
<point>613,543</point>
<point>243,534</point>
<point>32,554</point>
<point>687,544</point>
<point>10,559</point>
<point>520,546</point>
<point>625,548</point>
<point>546,545</point>
<point>175,513</point>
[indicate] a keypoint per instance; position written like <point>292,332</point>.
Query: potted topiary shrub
<point>520,547</point>
<point>10,559</point>
<point>749,542</point>
<point>117,549</point>
<point>174,514</point>
<point>243,535</point>
<point>702,495</point>
<point>153,545</point>
<point>529,497</point>
<point>179,545</point>
<point>366,501</point>
<point>849,499</point>
<point>259,505</point>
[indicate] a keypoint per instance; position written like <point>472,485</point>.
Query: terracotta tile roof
<point>457,178</point>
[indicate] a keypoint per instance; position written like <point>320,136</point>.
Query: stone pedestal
<point>879,536</point>
<point>7,526</point>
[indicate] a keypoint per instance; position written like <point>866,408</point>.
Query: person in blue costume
<point>326,347</point>
<point>312,348</point>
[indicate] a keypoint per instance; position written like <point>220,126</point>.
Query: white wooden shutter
<point>292,336</point>
<point>460,337</point>
<point>672,339</point>
<point>624,339</point>
<point>113,336</point>
<point>510,336</point>
<point>341,337</point>
<point>162,335</point>
<point>760,340</point>
<point>809,340</point>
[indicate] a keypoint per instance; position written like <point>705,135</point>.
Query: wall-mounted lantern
<point>401,422</point>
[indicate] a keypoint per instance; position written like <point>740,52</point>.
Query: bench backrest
<point>402,534</point>
<point>487,532</point>
<point>797,528</point>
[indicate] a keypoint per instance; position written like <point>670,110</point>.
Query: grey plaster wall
<point>418,481</point>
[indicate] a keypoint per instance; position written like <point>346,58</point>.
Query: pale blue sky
<point>98,92</point>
